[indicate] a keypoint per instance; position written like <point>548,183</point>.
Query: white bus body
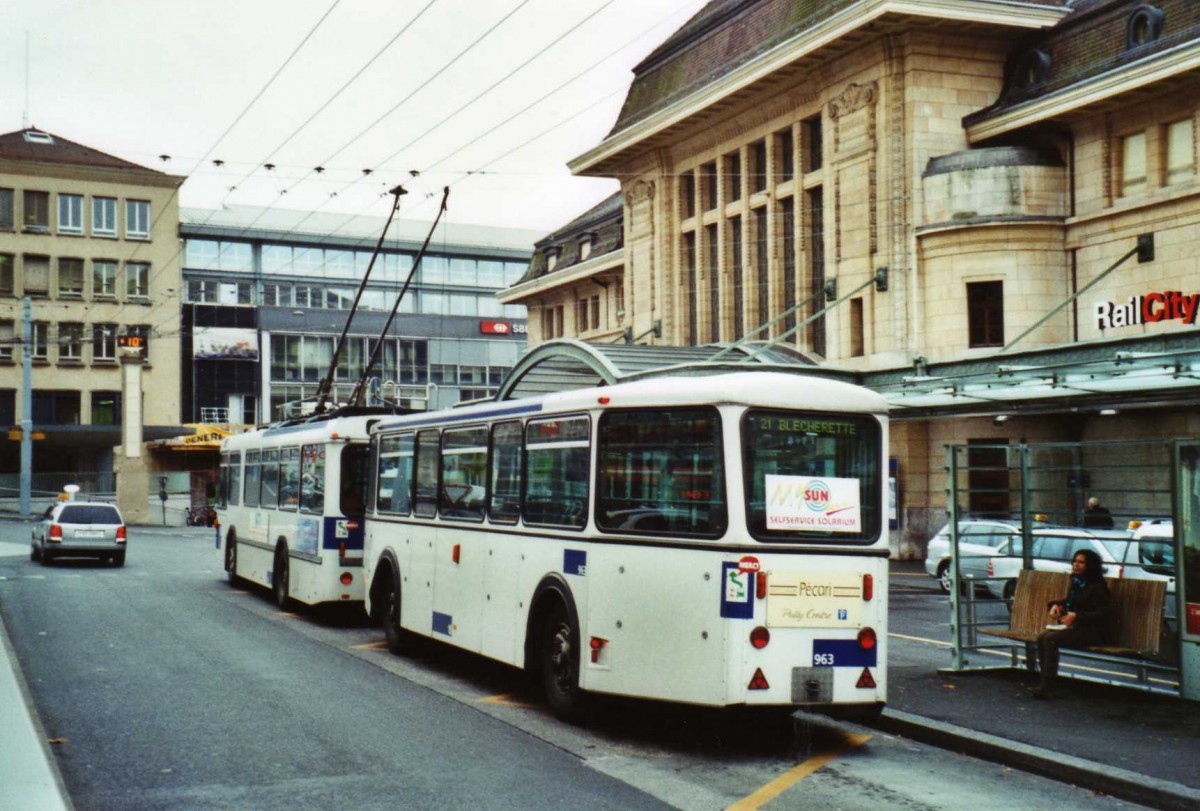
<point>290,507</point>
<point>625,540</point>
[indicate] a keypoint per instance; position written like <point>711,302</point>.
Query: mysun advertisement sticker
<point>822,503</point>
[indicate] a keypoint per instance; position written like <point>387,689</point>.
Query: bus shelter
<point>1015,507</point>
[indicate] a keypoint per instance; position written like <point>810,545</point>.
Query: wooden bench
<point>1135,613</point>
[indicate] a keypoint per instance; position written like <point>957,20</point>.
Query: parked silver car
<point>79,529</point>
<point>978,540</point>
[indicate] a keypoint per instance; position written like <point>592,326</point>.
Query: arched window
<point>1145,26</point>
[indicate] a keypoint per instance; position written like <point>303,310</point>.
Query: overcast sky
<point>376,85</point>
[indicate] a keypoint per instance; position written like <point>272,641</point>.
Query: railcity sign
<point>1149,308</point>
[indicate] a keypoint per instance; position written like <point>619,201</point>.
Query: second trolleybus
<point>290,508</point>
<point>715,540</point>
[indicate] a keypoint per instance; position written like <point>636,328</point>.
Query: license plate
<point>89,533</point>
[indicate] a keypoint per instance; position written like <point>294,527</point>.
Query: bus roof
<point>317,431</point>
<point>769,389</point>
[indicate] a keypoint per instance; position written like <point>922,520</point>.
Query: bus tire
<point>558,661</point>
<point>231,557</point>
<point>280,578</point>
<point>399,641</point>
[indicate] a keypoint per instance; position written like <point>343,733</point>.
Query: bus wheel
<point>398,640</point>
<point>280,577</point>
<point>559,661</point>
<point>231,558</point>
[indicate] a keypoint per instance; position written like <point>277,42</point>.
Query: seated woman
<point>1079,620</point>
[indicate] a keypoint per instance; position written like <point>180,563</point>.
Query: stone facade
<point>91,240</point>
<point>1000,162</point>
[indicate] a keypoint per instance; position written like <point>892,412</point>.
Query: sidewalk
<point>1139,746</point>
<point>29,777</point>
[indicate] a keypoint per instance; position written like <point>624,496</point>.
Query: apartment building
<point>89,240</point>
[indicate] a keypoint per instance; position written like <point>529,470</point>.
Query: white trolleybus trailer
<point>290,508</point>
<point>715,540</point>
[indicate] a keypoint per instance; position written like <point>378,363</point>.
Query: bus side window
<point>270,478</point>
<point>505,478</point>
<point>393,485</point>
<point>556,486</point>
<point>425,504</point>
<point>464,473</point>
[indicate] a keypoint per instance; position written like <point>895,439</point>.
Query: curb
<point>1110,780</point>
<point>29,775</point>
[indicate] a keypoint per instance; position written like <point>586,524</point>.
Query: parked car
<point>1053,549</point>
<point>79,529</point>
<point>978,540</point>
<point>1151,556</point>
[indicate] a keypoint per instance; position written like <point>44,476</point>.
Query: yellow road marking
<point>504,698</point>
<point>910,574</point>
<point>789,778</point>
<point>380,645</point>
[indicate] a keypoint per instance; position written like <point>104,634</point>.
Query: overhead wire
<point>245,110</point>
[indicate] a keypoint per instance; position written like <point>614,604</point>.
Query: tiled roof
<point>604,222</point>
<point>1089,43</point>
<point>721,37</point>
<point>56,149</point>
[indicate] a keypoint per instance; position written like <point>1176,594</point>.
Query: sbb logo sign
<point>501,328</point>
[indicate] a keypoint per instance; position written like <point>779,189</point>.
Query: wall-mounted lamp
<point>881,280</point>
<point>830,289</point>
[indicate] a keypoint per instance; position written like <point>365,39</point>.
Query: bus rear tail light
<point>868,587</point>
<point>455,552</point>
<point>867,638</point>
<point>866,679</point>
<point>342,550</point>
<point>55,532</point>
<point>760,637</point>
<point>597,645</point>
<point>347,578</point>
<point>759,681</point>
<point>121,537</point>
<point>760,585</point>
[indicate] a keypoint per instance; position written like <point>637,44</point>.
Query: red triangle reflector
<point>866,679</point>
<point>759,682</point>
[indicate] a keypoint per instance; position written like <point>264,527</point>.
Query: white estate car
<point>79,529</point>
<point>1053,550</point>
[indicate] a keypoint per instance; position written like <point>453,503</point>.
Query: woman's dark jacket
<point>1090,606</point>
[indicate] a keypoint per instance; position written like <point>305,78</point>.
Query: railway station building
<point>986,210</point>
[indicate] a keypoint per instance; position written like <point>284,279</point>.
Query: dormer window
<point>1032,69</point>
<point>585,247</point>
<point>1145,26</point>
<point>551,259</point>
<point>38,137</point>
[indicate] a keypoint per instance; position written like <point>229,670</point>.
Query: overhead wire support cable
<point>426,83</point>
<point>358,396</point>
<point>327,384</point>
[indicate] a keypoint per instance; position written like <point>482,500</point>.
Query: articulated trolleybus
<point>290,508</point>
<point>714,540</point>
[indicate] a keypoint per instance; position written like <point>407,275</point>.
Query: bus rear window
<point>812,476</point>
<point>660,472</point>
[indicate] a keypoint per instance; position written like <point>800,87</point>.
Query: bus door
<point>461,549</point>
<point>345,502</point>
